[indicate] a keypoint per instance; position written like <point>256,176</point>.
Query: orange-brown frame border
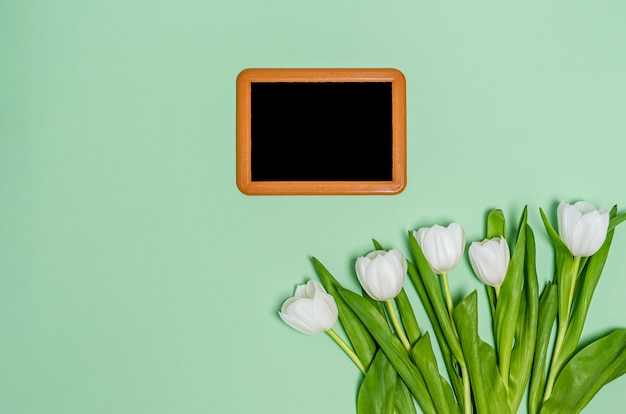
<point>244,173</point>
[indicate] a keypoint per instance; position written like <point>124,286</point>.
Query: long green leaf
<point>564,265</point>
<point>377,245</point>
<point>433,290</point>
<point>361,340</point>
<point>455,379</point>
<point>439,317</point>
<point>547,316</point>
<point>587,372</point>
<point>526,330</point>
<point>491,295</point>
<point>391,346</point>
<point>378,389</point>
<point>407,317</point>
<point>620,218</point>
<point>404,400</point>
<point>508,303</point>
<point>487,386</point>
<point>440,391</point>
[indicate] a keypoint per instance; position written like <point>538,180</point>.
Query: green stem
<point>446,287</point>
<point>555,356</point>
<point>467,392</point>
<point>346,349</point>
<point>396,324</point>
<point>562,330</point>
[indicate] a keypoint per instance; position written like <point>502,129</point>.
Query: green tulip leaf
<point>526,331</point>
<point>587,372</point>
<point>423,278</point>
<point>616,220</point>
<point>378,305</point>
<point>378,389</point>
<point>488,389</point>
<point>404,400</point>
<point>377,245</point>
<point>546,318</point>
<point>455,379</point>
<point>360,338</point>
<point>496,224</point>
<point>564,265</point>
<point>440,391</point>
<point>491,295</point>
<point>433,291</point>
<point>391,346</point>
<point>407,317</point>
<point>508,302</point>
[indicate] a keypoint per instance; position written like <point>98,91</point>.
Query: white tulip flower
<point>442,246</point>
<point>490,260</point>
<point>582,227</point>
<point>311,310</point>
<point>381,273</point>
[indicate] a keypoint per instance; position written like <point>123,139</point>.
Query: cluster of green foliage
<point>480,377</point>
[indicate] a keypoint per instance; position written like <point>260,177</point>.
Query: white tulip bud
<point>582,227</point>
<point>311,310</point>
<point>490,260</point>
<point>381,273</point>
<point>442,246</point>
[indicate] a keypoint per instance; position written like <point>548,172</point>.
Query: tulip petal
<point>584,207</point>
<point>311,310</point>
<point>361,266</point>
<point>582,227</point>
<point>442,246</point>
<point>490,260</point>
<point>298,316</point>
<point>377,277</point>
<point>381,273</point>
<point>301,292</point>
<point>324,310</point>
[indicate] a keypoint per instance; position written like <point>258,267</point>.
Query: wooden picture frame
<point>372,102</point>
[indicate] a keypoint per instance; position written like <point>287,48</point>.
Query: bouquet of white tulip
<point>397,359</point>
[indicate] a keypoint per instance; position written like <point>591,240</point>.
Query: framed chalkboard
<point>321,131</point>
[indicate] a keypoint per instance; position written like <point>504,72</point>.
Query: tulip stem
<point>396,325</point>
<point>556,363</point>
<point>467,391</point>
<point>346,349</point>
<point>572,289</point>
<point>446,287</point>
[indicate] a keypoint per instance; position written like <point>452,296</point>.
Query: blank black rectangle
<point>321,131</point>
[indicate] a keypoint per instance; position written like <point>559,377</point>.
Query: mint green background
<point>136,278</point>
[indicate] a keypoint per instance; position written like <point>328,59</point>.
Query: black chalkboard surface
<point>321,131</point>
<point>326,131</point>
